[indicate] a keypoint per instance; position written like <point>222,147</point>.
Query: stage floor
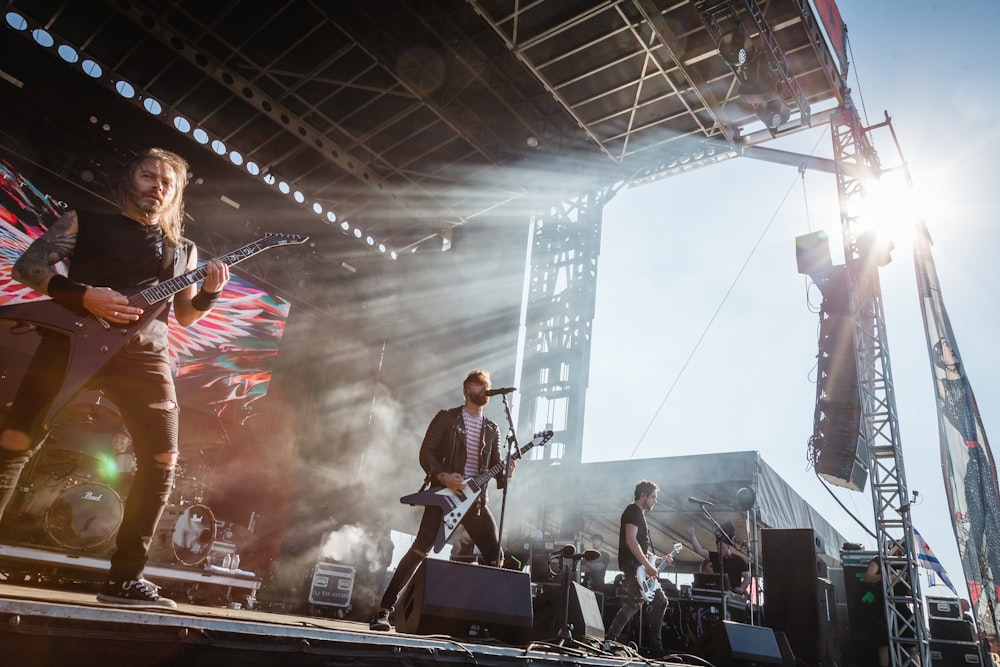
<point>41,625</point>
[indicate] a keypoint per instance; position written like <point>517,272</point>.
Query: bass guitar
<point>94,340</point>
<point>648,584</point>
<point>456,504</point>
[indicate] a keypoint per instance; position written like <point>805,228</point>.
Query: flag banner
<point>927,560</point>
<point>966,462</point>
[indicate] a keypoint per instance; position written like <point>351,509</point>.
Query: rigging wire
<point>857,79</point>
<point>725,298</point>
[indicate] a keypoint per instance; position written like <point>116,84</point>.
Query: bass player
<point>634,552</point>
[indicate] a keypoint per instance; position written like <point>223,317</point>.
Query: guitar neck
<point>483,478</point>
<point>168,288</point>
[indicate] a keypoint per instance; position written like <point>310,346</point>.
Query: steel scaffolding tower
<point>562,290</point>
<point>857,164</point>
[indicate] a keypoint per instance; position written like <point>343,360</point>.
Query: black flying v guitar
<point>456,504</point>
<point>94,340</point>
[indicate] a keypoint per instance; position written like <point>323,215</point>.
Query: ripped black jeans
<point>139,382</point>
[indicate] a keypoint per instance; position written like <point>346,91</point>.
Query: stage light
<point>774,114</point>
<point>736,48</point>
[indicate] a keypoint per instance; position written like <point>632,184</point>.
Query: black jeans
<point>138,380</point>
<point>479,523</point>
<point>631,604</point>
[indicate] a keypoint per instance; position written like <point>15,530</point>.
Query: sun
<point>892,210</point>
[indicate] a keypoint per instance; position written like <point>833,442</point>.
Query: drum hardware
<point>97,416</point>
<point>223,555</point>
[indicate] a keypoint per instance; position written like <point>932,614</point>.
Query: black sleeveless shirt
<point>123,254</point>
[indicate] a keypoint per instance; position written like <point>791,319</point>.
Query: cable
<point>715,314</point>
<point>844,507</point>
<point>861,96</point>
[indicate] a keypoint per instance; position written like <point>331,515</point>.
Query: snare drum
<point>185,535</point>
<point>85,517</point>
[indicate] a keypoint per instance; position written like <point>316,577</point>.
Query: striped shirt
<point>473,442</point>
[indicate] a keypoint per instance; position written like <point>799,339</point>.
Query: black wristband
<point>67,293</point>
<point>203,300</point>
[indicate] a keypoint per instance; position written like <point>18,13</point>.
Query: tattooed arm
<point>34,267</point>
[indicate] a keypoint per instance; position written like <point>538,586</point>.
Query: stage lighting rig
<point>759,83</point>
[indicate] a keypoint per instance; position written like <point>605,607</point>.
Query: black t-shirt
<point>626,561</point>
<point>733,565</point>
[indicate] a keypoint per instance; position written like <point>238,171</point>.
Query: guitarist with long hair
<point>634,553</point>
<point>109,254</point>
<point>460,443</point>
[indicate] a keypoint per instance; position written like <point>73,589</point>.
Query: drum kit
<point>71,495</point>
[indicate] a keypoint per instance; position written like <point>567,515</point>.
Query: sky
<point>705,335</point>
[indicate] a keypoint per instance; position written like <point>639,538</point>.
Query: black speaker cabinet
<point>955,654</point>
<point>468,601</point>
<point>584,612</point>
<point>792,552</point>
<point>729,644</point>
<point>798,599</point>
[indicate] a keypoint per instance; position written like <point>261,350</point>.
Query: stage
<point>43,626</point>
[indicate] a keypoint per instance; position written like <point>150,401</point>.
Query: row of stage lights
<point>127,91</point>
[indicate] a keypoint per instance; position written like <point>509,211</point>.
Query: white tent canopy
<point>577,501</point>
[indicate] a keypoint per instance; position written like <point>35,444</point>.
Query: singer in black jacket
<point>459,443</point>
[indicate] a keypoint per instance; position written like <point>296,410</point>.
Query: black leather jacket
<point>443,448</point>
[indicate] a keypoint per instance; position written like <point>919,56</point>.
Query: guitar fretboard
<point>483,478</point>
<point>167,288</point>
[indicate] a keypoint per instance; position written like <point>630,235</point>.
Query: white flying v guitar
<point>648,585</point>
<point>94,340</point>
<point>456,504</point>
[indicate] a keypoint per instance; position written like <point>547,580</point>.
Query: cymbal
<point>97,416</point>
<point>201,448</point>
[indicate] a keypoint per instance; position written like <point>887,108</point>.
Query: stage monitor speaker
<point>468,601</point>
<point>787,657</point>
<point>584,612</point>
<point>729,644</point>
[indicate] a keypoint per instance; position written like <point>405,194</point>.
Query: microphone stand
<point>511,447</point>
<point>565,635</point>
<point>720,538</point>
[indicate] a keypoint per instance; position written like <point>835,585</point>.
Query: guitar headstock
<point>274,239</point>
<point>677,548</point>
<point>543,437</point>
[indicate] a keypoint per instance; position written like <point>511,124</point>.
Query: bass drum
<point>185,535</point>
<point>84,517</point>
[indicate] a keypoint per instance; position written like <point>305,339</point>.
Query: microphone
<point>501,390</point>
<point>566,551</point>
<point>700,502</point>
